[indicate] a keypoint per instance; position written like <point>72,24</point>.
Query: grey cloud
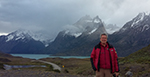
<point>52,15</point>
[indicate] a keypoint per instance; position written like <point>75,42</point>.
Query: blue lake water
<point>39,56</point>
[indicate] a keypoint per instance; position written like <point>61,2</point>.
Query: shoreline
<point>40,56</point>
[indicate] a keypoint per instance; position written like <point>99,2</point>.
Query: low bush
<point>56,71</point>
<point>1,66</point>
<point>49,68</point>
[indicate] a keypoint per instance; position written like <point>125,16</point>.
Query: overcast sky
<point>52,15</point>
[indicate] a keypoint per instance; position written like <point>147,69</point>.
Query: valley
<point>138,62</point>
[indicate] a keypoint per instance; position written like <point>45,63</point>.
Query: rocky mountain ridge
<point>67,42</point>
<point>133,36</point>
<point>20,41</point>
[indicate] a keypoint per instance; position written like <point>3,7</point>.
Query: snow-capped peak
<point>22,34</point>
<point>85,25</point>
<point>111,28</point>
<point>19,34</point>
<point>140,23</point>
<point>139,18</point>
<point>97,20</point>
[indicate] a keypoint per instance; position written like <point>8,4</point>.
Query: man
<point>104,59</point>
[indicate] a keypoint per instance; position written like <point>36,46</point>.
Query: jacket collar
<point>109,45</point>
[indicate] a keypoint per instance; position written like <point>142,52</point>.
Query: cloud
<point>127,10</point>
<point>52,15</point>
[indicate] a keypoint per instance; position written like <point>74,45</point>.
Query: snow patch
<point>77,35</point>
<point>97,21</point>
<point>22,34</point>
<point>10,37</point>
<point>19,38</point>
<point>109,31</point>
<point>146,27</point>
<point>3,34</point>
<point>136,22</point>
<point>147,13</point>
<point>67,31</point>
<point>139,18</point>
<point>93,31</point>
<point>123,29</point>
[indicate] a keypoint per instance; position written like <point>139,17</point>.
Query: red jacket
<point>105,57</point>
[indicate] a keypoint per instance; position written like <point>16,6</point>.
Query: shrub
<point>1,66</point>
<point>49,68</point>
<point>66,71</point>
<point>56,71</point>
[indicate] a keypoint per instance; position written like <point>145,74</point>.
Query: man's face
<point>103,39</point>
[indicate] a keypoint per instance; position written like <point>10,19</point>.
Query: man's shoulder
<point>110,45</point>
<point>97,46</point>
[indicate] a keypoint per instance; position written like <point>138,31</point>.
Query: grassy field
<point>83,66</point>
<point>73,66</point>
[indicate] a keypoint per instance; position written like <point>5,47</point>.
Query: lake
<point>39,56</point>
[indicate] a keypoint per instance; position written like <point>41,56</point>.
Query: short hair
<point>104,34</point>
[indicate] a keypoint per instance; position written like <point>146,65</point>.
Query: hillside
<point>141,56</point>
<point>138,62</point>
<point>134,35</point>
<point>5,54</point>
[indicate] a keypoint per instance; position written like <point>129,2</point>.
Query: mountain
<point>22,41</point>
<point>5,55</point>
<point>133,36</point>
<point>111,28</point>
<point>141,56</point>
<point>79,38</point>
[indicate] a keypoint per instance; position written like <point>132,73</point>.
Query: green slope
<point>141,56</point>
<point>138,62</point>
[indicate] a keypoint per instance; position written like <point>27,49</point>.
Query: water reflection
<point>8,67</point>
